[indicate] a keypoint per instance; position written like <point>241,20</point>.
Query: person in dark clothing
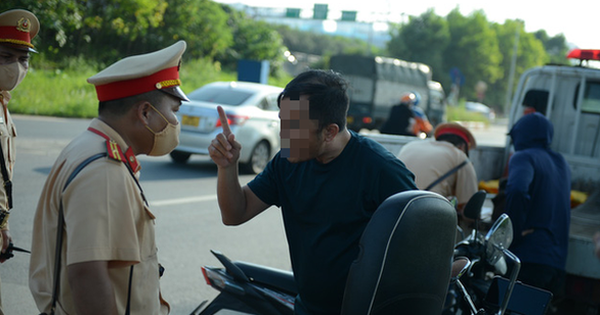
<point>327,180</point>
<point>401,120</point>
<point>538,203</point>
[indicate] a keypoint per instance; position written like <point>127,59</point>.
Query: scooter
<point>410,237</point>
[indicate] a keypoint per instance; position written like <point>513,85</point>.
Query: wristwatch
<point>3,219</point>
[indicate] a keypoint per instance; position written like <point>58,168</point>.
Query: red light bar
<point>584,54</point>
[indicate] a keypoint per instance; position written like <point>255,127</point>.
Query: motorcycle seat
<point>405,257</point>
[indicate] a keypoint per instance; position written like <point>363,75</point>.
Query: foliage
<point>79,37</point>
<point>530,53</point>
<point>473,49</point>
<point>480,49</point>
<point>104,31</point>
<point>424,39</point>
<point>66,93</point>
<point>321,44</point>
<point>63,93</point>
<point>459,113</point>
<point>203,24</point>
<point>555,47</point>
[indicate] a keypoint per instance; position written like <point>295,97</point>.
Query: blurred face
<point>300,140</point>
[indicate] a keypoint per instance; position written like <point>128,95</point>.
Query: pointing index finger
<point>224,123</point>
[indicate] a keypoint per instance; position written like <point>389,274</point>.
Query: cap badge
<point>24,25</point>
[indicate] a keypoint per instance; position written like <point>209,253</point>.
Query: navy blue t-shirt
<point>325,210</point>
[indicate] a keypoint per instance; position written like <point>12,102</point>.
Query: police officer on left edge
<point>17,29</point>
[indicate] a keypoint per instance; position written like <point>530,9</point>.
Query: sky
<point>577,20</point>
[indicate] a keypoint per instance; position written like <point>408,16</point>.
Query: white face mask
<point>11,75</point>
<point>166,140</point>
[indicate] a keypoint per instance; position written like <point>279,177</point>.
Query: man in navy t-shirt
<point>327,181</point>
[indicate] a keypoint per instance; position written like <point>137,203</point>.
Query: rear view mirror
<point>473,207</point>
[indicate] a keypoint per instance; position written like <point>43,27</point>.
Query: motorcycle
<point>481,288</point>
<point>410,237</point>
<point>382,280</point>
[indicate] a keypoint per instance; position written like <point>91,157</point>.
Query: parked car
<point>253,115</point>
<point>487,112</point>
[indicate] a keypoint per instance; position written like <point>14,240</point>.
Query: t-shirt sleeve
<point>395,178</point>
<point>265,185</point>
<point>101,206</point>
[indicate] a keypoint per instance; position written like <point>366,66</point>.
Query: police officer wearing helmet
<point>108,256</point>
<point>17,29</point>
<point>429,160</point>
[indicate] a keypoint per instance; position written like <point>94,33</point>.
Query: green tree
<point>322,44</point>
<point>474,50</point>
<point>530,53</point>
<point>423,39</point>
<point>99,30</point>
<point>556,47</point>
<point>201,23</point>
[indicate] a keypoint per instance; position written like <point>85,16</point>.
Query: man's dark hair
<point>326,91</point>
<point>121,106</point>
<point>455,140</point>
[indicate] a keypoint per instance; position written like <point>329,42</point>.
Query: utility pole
<point>513,65</point>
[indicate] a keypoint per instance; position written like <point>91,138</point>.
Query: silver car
<point>253,115</point>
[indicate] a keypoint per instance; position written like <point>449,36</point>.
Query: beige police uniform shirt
<point>8,132</point>
<point>105,220</point>
<point>430,159</point>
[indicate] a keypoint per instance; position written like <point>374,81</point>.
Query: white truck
<point>570,97</point>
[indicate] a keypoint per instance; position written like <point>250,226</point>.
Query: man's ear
<point>142,111</point>
<point>330,132</point>
<point>464,147</point>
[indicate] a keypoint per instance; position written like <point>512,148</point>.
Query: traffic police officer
<point>108,256</point>
<point>17,29</point>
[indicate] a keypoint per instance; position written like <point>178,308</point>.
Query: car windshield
<point>219,95</point>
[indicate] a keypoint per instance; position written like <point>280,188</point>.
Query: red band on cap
<point>121,89</point>
<point>454,131</point>
<point>10,34</point>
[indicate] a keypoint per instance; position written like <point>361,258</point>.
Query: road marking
<point>178,201</point>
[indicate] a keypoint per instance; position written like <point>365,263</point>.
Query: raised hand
<point>223,149</point>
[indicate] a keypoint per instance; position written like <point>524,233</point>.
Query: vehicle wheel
<point>180,157</point>
<point>258,159</point>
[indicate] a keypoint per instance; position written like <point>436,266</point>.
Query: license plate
<point>190,120</point>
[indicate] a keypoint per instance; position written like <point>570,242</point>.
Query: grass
<point>459,113</point>
<point>66,93</point>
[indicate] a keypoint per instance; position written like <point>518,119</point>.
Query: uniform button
<point>131,159</point>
